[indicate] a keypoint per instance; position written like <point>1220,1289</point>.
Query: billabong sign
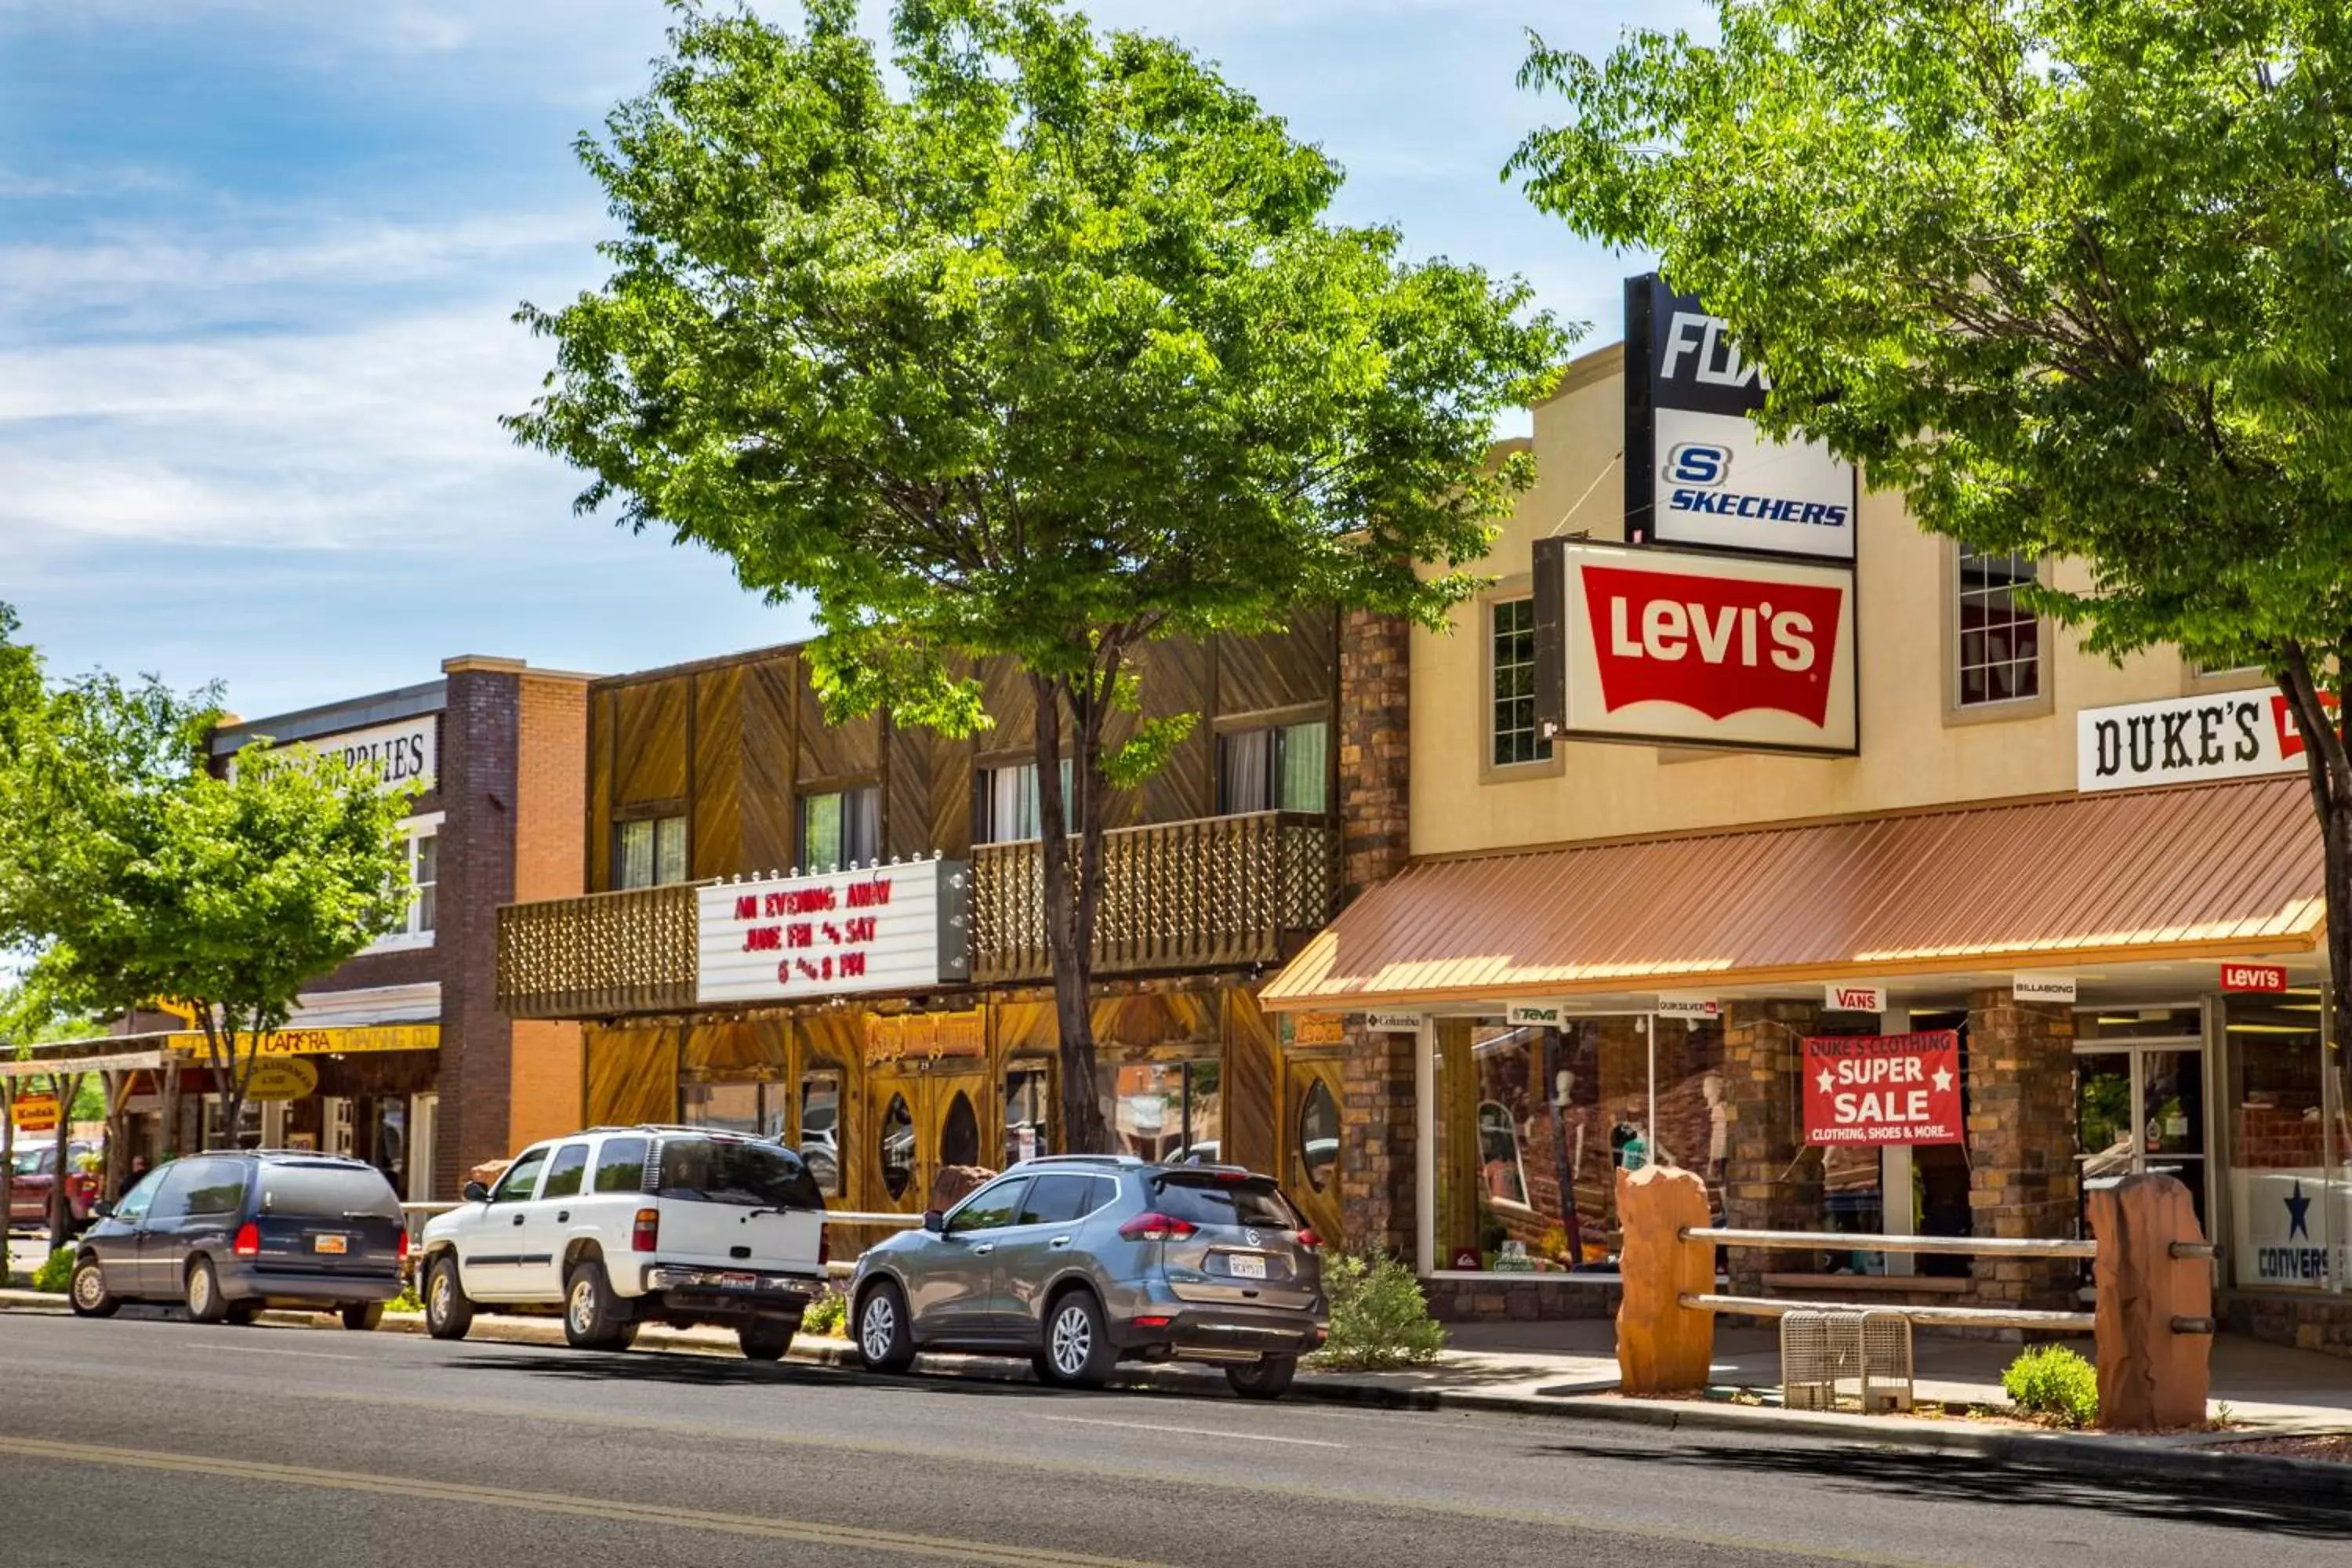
<point>2187,739</point>
<point>1696,471</point>
<point>1854,998</point>
<point>2042,987</point>
<point>1706,650</point>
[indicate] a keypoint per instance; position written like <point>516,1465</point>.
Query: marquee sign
<point>1883,1089</point>
<point>1696,471</point>
<point>901,927</point>
<point>1696,650</point>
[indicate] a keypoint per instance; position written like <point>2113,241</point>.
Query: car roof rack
<point>1084,1160</point>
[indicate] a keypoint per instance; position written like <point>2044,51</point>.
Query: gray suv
<point>1080,1261</point>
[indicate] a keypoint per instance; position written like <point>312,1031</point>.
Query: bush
<point>56,1276</point>
<point>406,1300</point>
<point>827,1315</point>
<point>1379,1316</point>
<point>2053,1380</point>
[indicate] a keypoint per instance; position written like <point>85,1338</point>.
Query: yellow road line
<point>807,1532</point>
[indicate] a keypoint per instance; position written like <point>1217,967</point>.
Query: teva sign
<point>875,928</point>
<point>1696,471</point>
<point>2187,739</point>
<point>1704,650</point>
<point>1879,1090</point>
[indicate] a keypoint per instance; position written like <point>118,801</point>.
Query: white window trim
<point>2042,702</point>
<point>1506,591</point>
<point>411,829</point>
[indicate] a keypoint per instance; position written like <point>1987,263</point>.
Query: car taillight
<point>1151,1322</point>
<point>402,1254</point>
<point>646,1233</point>
<point>248,1240</point>
<point>1309,1239</point>
<point>1156,1226</point>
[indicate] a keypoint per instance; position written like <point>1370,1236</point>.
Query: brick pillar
<point>2022,1180</point>
<point>1377,1168</point>
<point>1770,1180</point>
<point>1375,698</point>
<point>481,729</point>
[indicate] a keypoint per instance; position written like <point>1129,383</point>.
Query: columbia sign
<point>1699,651</point>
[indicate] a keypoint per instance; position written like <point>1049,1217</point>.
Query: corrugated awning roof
<point>2213,871</point>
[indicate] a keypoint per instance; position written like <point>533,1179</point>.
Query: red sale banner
<point>1878,1090</point>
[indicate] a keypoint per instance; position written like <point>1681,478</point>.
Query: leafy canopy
<point>2074,275</point>
<point>1039,344</point>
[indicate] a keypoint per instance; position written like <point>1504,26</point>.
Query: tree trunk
<point>2329,763</point>
<point>118,1133</point>
<point>1069,919</point>
<point>7,1171</point>
<point>69,1089</point>
<point>168,1104</point>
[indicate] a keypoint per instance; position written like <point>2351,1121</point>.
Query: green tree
<point>1043,348</point>
<point>2072,277</point>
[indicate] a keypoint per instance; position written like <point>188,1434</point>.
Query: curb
<point>2207,1462</point>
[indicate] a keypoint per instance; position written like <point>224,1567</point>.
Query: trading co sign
<point>1879,1090</point>
<point>878,927</point>
<point>1697,472</point>
<point>1700,650</point>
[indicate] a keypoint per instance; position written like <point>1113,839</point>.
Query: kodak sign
<point>1701,651</point>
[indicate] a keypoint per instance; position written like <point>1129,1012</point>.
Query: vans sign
<point>2186,740</point>
<point>1696,471</point>
<point>1854,998</point>
<point>1706,651</point>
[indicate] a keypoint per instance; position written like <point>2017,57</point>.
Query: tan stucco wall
<point>1911,753</point>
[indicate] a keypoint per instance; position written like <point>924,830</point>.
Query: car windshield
<point>1224,1200</point>
<point>327,1192</point>
<point>32,1161</point>
<point>725,1171</point>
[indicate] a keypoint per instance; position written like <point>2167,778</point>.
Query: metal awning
<point>112,1062</point>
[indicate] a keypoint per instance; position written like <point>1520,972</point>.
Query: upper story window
<point>422,851</point>
<point>1281,767</point>
<point>649,852</point>
<point>1511,691</point>
<point>840,827</point>
<point>1005,806</point>
<point>2001,641</point>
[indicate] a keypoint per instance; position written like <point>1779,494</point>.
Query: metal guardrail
<point>894,1221</point>
<point>1941,1317</point>
<point>1856,1241</point>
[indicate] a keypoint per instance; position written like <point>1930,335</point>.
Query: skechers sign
<point>1697,472</point>
<point>1699,651</point>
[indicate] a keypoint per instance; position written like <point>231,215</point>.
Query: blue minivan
<point>229,1233</point>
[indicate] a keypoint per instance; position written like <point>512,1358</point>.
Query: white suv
<point>624,1225</point>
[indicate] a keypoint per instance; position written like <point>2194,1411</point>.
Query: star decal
<point>1825,1080</point>
<point>1942,1080</point>
<point>2298,1214</point>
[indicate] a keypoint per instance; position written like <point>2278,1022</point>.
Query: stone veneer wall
<point>1770,1180</point>
<point>2024,1180</point>
<point>1553,1299</point>
<point>1376,1149</point>
<point>2321,1323</point>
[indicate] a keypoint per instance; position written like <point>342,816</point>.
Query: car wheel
<point>361,1317</point>
<point>767,1339</point>
<point>241,1313</point>
<point>204,1302</point>
<point>1078,1351</point>
<point>448,1311</point>
<point>89,1295</point>
<point>1266,1379</point>
<point>591,1317</point>
<point>884,1342</point>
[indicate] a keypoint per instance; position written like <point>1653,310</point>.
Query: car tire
<point>88,1294</point>
<point>240,1314</point>
<point>448,1311</point>
<point>592,1315</point>
<point>767,1339</point>
<point>362,1317</point>
<point>1077,1350</point>
<point>206,1303</point>
<point>1266,1379</point>
<point>884,1341</point>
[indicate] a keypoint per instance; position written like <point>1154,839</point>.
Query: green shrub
<point>827,1315</point>
<point>406,1300</point>
<point>2053,1382</point>
<point>1379,1316</point>
<point>56,1276</point>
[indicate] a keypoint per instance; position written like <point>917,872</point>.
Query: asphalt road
<point>148,1442</point>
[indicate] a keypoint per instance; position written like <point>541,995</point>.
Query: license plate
<point>1246,1268</point>
<point>330,1243</point>
<point>740,1282</point>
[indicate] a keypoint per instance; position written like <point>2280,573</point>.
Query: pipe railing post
<point>2155,1311</point>
<point>1663,1346</point>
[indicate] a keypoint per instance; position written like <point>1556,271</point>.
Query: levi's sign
<point>1707,650</point>
<point>2186,740</point>
<point>877,928</point>
<point>2270,978</point>
<point>1883,1088</point>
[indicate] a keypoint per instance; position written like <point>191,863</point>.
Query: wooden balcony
<point>1211,893</point>
<point>1214,893</point>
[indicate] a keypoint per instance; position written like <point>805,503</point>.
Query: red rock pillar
<point>2152,1375</point>
<point>1663,1346</point>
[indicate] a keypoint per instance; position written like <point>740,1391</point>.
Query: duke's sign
<point>2186,740</point>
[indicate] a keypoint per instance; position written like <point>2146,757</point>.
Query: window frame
<point>842,793</point>
<point>669,814</point>
<point>412,930</point>
<point>1278,723</point>
<point>555,1167</point>
<point>1018,1181</point>
<point>603,1161</point>
<point>546,1152</point>
<point>1553,762</point>
<point>983,799</point>
<point>2045,700</point>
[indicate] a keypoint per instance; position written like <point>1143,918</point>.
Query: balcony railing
<point>1216,892</point>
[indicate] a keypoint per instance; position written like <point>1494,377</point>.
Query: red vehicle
<point>35,1175</point>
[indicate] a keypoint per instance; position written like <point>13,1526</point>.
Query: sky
<point>258,261</point>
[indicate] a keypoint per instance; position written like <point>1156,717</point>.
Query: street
<point>149,1440</point>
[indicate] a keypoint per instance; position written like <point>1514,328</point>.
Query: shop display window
<point>2290,1204</point>
<point>895,1140</point>
<point>820,1128</point>
<point>1028,1114</point>
<point>732,1107</point>
<point>1169,1112</point>
<point>1318,1135</point>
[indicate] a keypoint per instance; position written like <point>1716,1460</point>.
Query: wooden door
<point>1313,1133</point>
<point>923,1121</point>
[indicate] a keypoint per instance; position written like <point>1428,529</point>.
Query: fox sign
<point>1696,650</point>
<point>1880,1090</point>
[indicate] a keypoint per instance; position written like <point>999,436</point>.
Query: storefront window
<point>1028,1128</point>
<point>959,1133</point>
<point>821,1130</point>
<point>1165,1111</point>
<point>895,1140</point>
<point>2287,1218</point>
<point>735,1106</point>
<point>1318,1135</point>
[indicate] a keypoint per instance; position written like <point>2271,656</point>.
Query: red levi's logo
<point>1716,644</point>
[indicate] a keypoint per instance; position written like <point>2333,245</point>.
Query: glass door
<point>2139,1107</point>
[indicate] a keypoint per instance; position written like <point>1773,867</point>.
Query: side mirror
<point>476,1193</point>
<point>935,1222</point>
<point>102,1209</point>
